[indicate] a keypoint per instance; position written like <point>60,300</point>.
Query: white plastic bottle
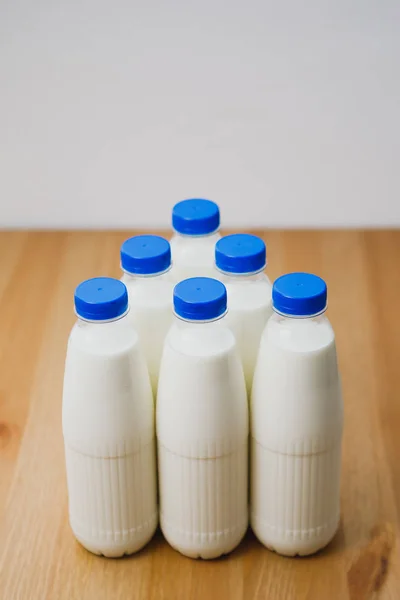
<point>241,259</point>
<point>108,425</point>
<point>202,426</point>
<point>296,420</point>
<point>196,224</point>
<point>146,261</point>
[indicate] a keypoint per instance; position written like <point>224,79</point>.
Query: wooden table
<point>39,558</point>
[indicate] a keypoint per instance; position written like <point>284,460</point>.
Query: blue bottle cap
<point>145,255</point>
<point>101,299</point>
<point>240,253</point>
<point>195,217</point>
<point>299,295</point>
<point>200,299</point>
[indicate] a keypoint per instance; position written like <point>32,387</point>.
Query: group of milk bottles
<point>195,369</point>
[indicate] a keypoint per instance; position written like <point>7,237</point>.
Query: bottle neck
<point>298,318</point>
<point>242,277</point>
<point>130,277</point>
<point>90,323</point>
<point>182,323</point>
<point>188,236</point>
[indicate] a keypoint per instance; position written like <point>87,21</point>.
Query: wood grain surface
<point>39,558</point>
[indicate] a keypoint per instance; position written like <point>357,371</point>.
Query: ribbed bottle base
<point>295,542</point>
<point>203,545</point>
<point>134,540</point>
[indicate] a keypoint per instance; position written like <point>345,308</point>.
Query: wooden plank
<point>39,558</point>
<point>28,274</point>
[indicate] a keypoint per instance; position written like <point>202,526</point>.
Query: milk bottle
<point>241,260</point>
<point>202,426</point>
<point>108,425</point>
<point>296,420</point>
<point>146,260</point>
<point>195,223</point>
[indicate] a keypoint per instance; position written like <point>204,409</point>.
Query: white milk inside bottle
<point>241,260</point>
<point>108,425</point>
<point>202,426</point>
<point>146,260</point>
<point>296,419</point>
<point>196,224</point>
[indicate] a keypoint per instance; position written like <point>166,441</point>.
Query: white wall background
<point>285,112</point>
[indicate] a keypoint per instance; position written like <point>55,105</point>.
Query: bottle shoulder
<point>201,340</point>
<point>187,244</point>
<point>103,338</point>
<point>299,335</point>
<point>149,291</point>
<point>248,292</point>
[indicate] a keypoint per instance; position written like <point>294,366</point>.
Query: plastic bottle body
<point>202,432</point>
<point>297,419</point>
<point>249,301</point>
<point>193,255</point>
<point>108,426</point>
<point>150,300</point>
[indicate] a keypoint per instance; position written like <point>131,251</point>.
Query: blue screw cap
<point>145,255</point>
<point>101,299</point>
<point>195,217</point>
<point>200,299</point>
<point>299,295</point>
<point>240,253</point>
